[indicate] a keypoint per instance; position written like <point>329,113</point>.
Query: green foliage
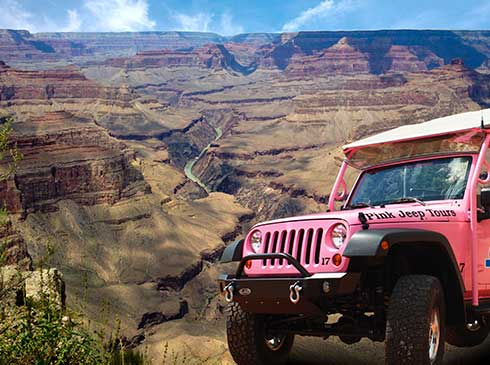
<point>3,216</point>
<point>10,156</point>
<point>40,331</point>
<point>128,357</point>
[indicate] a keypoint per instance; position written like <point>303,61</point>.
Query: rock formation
<point>14,249</point>
<point>213,56</point>
<point>67,83</point>
<point>69,158</point>
<point>340,59</point>
<point>113,143</point>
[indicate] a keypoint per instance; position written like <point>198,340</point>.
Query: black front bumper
<point>272,295</point>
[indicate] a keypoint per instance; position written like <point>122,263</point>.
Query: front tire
<point>249,342</point>
<point>415,327</point>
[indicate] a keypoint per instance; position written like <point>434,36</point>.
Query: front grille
<point>302,244</point>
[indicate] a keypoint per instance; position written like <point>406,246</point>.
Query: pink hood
<point>445,211</point>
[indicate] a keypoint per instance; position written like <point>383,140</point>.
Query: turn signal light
<point>385,245</point>
<point>337,259</point>
<point>248,264</point>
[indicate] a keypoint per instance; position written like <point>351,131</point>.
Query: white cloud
<point>228,26</point>
<point>74,22</point>
<point>208,22</point>
<point>199,22</point>
<point>14,16</point>
<point>112,16</point>
<point>119,15</point>
<point>324,10</point>
<point>97,15</point>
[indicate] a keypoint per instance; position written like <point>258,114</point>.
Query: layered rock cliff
<point>341,58</point>
<point>69,158</point>
<point>383,48</point>
<point>32,86</point>
<point>113,146</point>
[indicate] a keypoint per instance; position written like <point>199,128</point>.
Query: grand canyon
<point>145,154</point>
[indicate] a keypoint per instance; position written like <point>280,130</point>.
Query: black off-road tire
<point>408,320</point>
<point>246,339</point>
<point>463,337</point>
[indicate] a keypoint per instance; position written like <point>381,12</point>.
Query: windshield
<point>438,179</point>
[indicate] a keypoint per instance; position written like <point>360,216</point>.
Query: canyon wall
<point>146,153</point>
<point>404,50</point>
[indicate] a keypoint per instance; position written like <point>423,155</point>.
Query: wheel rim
<point>434,335</point>
<point>275,343</point>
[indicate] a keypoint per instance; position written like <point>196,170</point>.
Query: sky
<point>228,17</point>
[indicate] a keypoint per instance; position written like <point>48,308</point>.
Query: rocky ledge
<point>212,56</point>
<point>69,158</point>
<point>66,83</point>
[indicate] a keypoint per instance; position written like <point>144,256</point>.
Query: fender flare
<point>233,252</point>
<point>367,244</point>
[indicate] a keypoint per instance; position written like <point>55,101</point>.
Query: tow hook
<point>294,290</point>
<point>229,289</point>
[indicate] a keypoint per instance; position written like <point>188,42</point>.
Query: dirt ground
<point>314,351</point>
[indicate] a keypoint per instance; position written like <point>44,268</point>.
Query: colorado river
<point>190,164</point>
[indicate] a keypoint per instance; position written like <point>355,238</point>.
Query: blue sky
<point>229,17</point>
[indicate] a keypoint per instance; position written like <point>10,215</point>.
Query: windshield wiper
<point>407,199</point>
<point>359,205</point>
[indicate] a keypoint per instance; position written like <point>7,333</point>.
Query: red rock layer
<point>24,47</point>
<point>400,59</point>
<point>64,83</point>
<point>18,45</point>
<point>246,54</point>
<point>14,248</point>
<point>69,158</point>
<point>161,58</point>
<point>209,56</point>
<point>340,59</point>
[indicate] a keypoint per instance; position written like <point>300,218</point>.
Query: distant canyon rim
<point>146,153</point>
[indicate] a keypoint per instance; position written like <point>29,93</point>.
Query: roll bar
<point>474,180</point>
<point>334,195</point>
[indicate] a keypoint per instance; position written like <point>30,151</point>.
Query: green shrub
<point>8,151</point>
<point>41,332</point>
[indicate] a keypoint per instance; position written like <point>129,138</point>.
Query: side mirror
<point>485,198</point>
<point>344,198</point>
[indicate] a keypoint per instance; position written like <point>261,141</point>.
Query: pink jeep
<point>405,260</point>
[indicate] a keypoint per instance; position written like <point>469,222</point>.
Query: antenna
<point>482,121</point>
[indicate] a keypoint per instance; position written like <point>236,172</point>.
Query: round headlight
<point>338,235</point>
<point>255,241</point>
